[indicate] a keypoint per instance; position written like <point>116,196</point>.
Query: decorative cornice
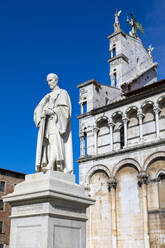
<point>92,81</point>
<point>147,93</point>
<point>121,55</point>
<point>125,150</point>
<point>117,33</point>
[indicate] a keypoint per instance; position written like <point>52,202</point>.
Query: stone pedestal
<point>48,211</point>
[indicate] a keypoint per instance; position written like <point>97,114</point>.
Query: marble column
<point>111,125</point>
<point>82,108</point>
<point>112,79</point>
<point>156,111</point>
<point>142,182</point>
<point>140,116</point>
<point>82,144</point>
<point>95,130</point>
<point>111,53</point>
<point>81,104</point>
<point>112,187</point>
<point>125,121</point>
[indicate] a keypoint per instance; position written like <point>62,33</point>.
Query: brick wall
<point>10,179</point>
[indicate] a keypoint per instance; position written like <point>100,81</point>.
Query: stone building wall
<point>122,149</point>
<point>10,179</point>
<point>130,61</point>
<point>124,179</point>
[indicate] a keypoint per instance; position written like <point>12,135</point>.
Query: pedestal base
<point>48,211</point>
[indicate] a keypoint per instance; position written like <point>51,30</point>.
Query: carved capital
<point>140,114</point>
<point>112,183</point>
<point>95,129</point>
<point>111,123</point>
<point>81,134</point>
<point>142,178</point>
<point>156,109</point>
<point>89,129</point>
<point>125,119</point>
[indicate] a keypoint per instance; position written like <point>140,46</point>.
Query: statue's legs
<point>52,153</point>
<point>55,153</point>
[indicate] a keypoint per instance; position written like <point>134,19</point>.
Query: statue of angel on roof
<point>135,25</point>
<point>150,49</point>
<point>117,24</point>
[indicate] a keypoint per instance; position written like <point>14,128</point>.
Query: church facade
<point>122,149</point>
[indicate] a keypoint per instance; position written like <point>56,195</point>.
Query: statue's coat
<point>58,125</point>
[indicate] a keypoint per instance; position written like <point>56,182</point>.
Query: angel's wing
<point>151,48</point>
<point>119,12</point>
<point>140,27</point>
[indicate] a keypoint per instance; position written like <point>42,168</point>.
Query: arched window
<point>161,189</point>
<point>118,131</point>
<point>84,107</point>
<point>122,137</point>
<point>161,176</point>
<point>133,125</point>
<point>149,122</point>
<point>85,141</point>
<point>162,107</point>
<point>114,51</point>
<point>103,135</point>
<point>115,79</point>
<point>148,113</point>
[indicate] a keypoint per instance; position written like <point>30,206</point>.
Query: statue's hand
<point>43,115</point>
<point>48,111</point>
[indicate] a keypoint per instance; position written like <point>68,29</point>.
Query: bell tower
<point>130,62</point>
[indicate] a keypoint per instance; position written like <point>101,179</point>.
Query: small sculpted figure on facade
<point>52,116</point>
<point>135,25</point>
<point>117,24</point>
<point>150,49</point>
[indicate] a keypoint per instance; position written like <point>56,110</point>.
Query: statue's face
<point>52,81</point>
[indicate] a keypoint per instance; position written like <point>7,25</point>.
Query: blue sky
<point>70,39</point>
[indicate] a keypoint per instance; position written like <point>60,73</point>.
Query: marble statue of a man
<point>52,117</point>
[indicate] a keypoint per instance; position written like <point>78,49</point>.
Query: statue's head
<point>52,80</point>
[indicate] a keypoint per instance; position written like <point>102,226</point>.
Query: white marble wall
<point>134,64</point>
<point>119,178</point>
<point>143,121</point>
